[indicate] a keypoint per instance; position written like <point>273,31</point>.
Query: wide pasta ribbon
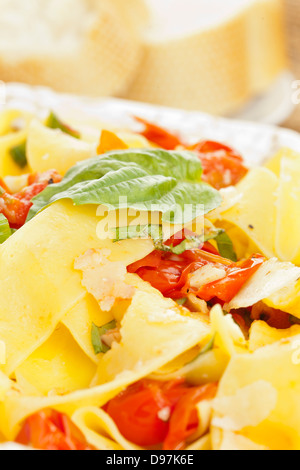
<point>38,282</point>
<point>154,331</point>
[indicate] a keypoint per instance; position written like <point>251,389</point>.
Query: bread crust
<point>218,70</point>
<point>105,64</point>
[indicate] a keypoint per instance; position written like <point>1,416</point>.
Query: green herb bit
<point>208,347</point>
<point>139,231</point>
<point>5,230</point>
<point>225,247</point>
<point>18,154</point>
<point>97,333</point>
<point>55,123</point>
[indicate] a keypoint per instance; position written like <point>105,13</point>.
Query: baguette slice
<point>76,46</point>
<point>211,55</point>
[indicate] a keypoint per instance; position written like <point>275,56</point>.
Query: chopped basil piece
<point>139,231</point>
<point>225,247</point>
<point>181,301</point>
<point>18,154</point>
<point>156,233</point>
<point>55,123</point>
<point>212,234</point>
<point>5,230</point>
<point>190,243</point>
<point>208,347</point>
<point>97,333</point>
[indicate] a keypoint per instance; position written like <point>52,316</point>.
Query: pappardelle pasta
<point>150,290</point>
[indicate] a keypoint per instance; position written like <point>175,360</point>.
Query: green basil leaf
<point>5,230</point>
<point>97,333</point>
<point>208,347</point>
<point>212,234</point>
<point>145,180</point>
<point>225,247</point>
<point>18,154</point>
<point>190,243</point>
<point>155,232</point>
<point>55,123</point>
<point>139,231</point>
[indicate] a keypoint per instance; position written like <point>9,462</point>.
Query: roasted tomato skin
<point>15,207</point>
<point>158,135</point>
<point>170,274</point>
<point>222,165</point>
<point>51,430</point>
<point>157,414</point>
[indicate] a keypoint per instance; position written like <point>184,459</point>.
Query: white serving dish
<point>256,141</point>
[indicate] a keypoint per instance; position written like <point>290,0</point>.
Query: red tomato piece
<point>49,177</point>
<point>170,273</point>
<point>50,430</point>
<point>237,275</point>
<point>15,207</point>
<point>210,146</point>
<point>184,419</point>
<point>222,165</point>
<point>151,413</point>
<point>135,412</point>
<point>159,136</point>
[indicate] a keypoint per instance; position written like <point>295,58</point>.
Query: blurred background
<point>236,58</point>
